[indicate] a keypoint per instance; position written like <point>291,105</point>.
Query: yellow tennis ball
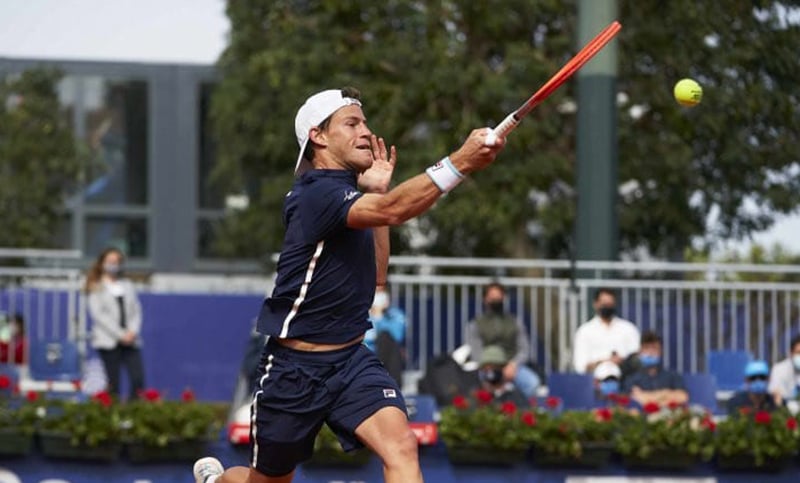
<point>688,92</point>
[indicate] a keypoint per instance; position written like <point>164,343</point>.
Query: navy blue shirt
<point>662,379</point>
<point>326,271</point>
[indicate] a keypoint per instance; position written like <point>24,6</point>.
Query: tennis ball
<point>688,92</point>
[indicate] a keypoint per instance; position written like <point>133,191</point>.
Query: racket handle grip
<point>508,125</point>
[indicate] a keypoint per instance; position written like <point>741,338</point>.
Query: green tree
<point>430,71</point>
<point>39,161</point>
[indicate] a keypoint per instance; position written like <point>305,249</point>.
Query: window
<point>115,122</point>
<point>127,234</point>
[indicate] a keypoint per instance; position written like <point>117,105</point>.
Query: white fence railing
<point>696,308</point>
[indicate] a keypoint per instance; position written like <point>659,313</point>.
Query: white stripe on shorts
<point>253,427</point>
<point>303,290</point>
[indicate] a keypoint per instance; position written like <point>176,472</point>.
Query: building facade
<point>147,192</point>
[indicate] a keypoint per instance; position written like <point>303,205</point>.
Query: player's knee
<point>402,450</point>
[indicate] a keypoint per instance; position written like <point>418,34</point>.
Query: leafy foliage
<point>92,423</point>
<point>483,423</point>
<point>39,158</point>
<point>431,71</point>
<point>565,434</point>
<point>158,422</point>
<point>761,434</point>
<point>667,430</point>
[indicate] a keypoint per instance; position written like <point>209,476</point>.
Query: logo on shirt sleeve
<point>387,393</point>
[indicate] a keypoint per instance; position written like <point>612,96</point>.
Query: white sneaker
<point>205,467</point>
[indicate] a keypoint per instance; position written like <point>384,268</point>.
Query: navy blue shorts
<point>299,391</point>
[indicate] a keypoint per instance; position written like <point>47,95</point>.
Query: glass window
<point>208,195</point>
<point>127,234</point>
<point>116,120</point>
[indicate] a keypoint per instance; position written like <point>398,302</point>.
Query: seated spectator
<point>754,395</point>
<point>15,350</point>
<point>607,377</point>
<point>498,327</point>
<point>653,383</point>
<point>490,374</point>
<point>388,332</point>
<point>785,376</point>
<point>605,337</point>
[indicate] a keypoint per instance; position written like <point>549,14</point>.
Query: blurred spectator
<point>116,320</point>
<point>490,373</point>
<point>605,337</point>
<point>15,349</point>
<point>652,383</point>
<point>754,395</point>
<point>497,327</point>
<point>607,376</point>
<point>388,333</point>
<point>784,379</point>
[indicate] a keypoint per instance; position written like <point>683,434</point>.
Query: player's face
<point>348,138</point>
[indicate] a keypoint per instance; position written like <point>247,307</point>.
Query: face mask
<point>381,300</point>
<point>649,360</point>
<point>758,387</point>
<point>495,307</point>
<point>606,312</point>
<point>796,361</point>
<point>492,375</point>
<point>112,269</point>
<point>609,387</point>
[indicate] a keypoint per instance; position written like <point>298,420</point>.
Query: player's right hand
<point>475,154</point>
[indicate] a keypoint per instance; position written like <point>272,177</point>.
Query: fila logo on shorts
<point>349,196</point>
<point>387,393</point>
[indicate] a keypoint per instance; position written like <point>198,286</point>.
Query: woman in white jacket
<point>116,321</point>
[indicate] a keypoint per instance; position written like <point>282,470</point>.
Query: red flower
<point>623,400</point>
<point>552,402</point>
<point>76,384</point>
<point>613,397</point>
<point>744,411</point>
<point>187,395</point>
<point>460,402</point>
<point>5,381</point>
<point>763,417</point>
<point>151,395</point>
<point>508,408</point>
<point>32,396</point>
<point>484,397</point>
<point>791,424</point>
<point>673,405</point>
<point>708,423</point>
<point>603,414</point>
<point>103,398</point>
<point>533,401</point>
<point>651,407</point>
<point>15,391</point>
<point>528,418</point>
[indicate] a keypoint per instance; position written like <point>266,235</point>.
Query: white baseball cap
<point>316,109</point>
<point>607,369</point>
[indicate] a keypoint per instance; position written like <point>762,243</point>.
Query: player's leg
<point>387,433</point>
<point>370,411</point>
<point>209,470</point>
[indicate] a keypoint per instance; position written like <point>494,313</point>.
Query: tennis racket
<point>579,60</point>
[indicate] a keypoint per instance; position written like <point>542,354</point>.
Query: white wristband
<point>444,175</point>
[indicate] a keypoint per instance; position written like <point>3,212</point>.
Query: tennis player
<point>314,368</point>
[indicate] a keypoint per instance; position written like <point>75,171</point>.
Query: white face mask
<point>796,361</point>
<point>381,300</point>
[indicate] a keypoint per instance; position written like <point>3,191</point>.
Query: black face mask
<point>492,375</point>
<point>606,312</point>
<point>495,307</point>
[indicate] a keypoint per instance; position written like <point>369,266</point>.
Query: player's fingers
<point>392,155</point>
<point>382,149</point>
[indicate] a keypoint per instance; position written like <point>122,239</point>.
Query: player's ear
<point>317,136</point>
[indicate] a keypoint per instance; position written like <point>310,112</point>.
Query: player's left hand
<point>377,178</point>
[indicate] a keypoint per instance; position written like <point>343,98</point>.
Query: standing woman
<point>116,320</point>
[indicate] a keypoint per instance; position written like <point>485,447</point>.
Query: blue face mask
<point>649,360</point>
<point>609,387</point>
<point>758,387</point>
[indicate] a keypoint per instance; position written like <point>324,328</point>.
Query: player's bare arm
<point>414,196</point>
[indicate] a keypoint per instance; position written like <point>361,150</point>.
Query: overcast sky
<point>180,31</point>
<point>185,31</point>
